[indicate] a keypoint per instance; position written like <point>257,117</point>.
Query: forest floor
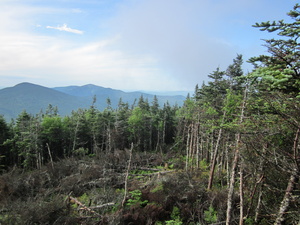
<point>154,189</point>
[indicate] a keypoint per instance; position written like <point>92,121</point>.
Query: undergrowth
<point>160,195</point>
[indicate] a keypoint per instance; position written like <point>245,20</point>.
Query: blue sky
<point>157,45</point>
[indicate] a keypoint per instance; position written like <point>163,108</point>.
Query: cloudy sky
<point>159,45</point>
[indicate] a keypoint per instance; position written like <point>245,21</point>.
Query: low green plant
<point>175,218</point>
<point>249,221</point>
<point>157,188</point>
<point>85,199</point>
<point>81,152</point>
<point>171,166</point>
<point>173,222</point>
<point>203,164</point>
<point>210,215</point>
<point>136,199</point>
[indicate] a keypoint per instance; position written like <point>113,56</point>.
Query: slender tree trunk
<point>234,165</point>
<point>126,176</point>
<point>231,186</point>
<point>75,135</point>
<point>198,152</point>
<point>227,164</point>
<point>158,140</point>
<point>286,199</point>
<point>241,222</point>
<point>213,164</point>
<point>252,195</point>
<point>294,178</point>
<point>50,155</point>
<point>257,209</point>
<point>187,150</point>
<point>215,154</point>
<point>260,178</point>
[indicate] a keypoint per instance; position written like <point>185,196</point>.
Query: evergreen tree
<point>5,134</point>
<point>235,74</point>
<point>281,69</point>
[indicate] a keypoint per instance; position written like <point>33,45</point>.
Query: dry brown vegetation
<point>90,191</point>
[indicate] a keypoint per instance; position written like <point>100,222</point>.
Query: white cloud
<point>66,28</point>
<point>26,54</point>
<point>150,44</point>
<point>76,11</point>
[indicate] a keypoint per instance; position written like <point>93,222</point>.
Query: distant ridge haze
<point>35,98</point>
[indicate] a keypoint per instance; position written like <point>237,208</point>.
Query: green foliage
<point>175,218</point>
<point>85,199</point>
<point>210,215</point>
<point>203,164</point>
<point>249,221</point>
<point>175,215</point>
<point>173,222</point>
<point>281,69</point>
<point>158,187</point>
<point>81,152</point>
<point>136,199</point>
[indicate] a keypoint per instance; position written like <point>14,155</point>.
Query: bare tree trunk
<point>252,195</point>
<point>127,174</point>
<point>194,143</point>
<point>49,152</point>
<point>158,140</point>
<point>231,186</point>
<point>294,178</point>
<point>197,152</point>
<point>260,179</point>
<point>257,209</point>
<point>187,150</point>
<point>286,199</point>
<point>75,135</point>
<point>241,195</point>
<point>235,164</point>
<point>213,164</point>
<point>227,164</point>
<point>214,159</point>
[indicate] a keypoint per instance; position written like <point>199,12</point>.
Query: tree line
<point>244,126</point>
<point>33,140</point>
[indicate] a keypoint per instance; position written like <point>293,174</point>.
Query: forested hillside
<point>229,155</point>
<point>35,99</point>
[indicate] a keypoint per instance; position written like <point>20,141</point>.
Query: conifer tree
<point>281,69</point>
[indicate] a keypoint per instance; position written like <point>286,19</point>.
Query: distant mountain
<point>169,93</point>
<point>101,93</point>
<point>34,98</point>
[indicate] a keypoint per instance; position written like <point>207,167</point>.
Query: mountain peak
<point>25,84</point>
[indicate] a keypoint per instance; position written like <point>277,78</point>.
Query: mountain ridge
<point>35,98</point>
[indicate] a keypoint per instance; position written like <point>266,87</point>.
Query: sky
<point>150,45</point>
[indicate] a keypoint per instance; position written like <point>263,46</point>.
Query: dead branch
<point>83,207</point>
<point>103,205</point>
<point>152,174</point>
